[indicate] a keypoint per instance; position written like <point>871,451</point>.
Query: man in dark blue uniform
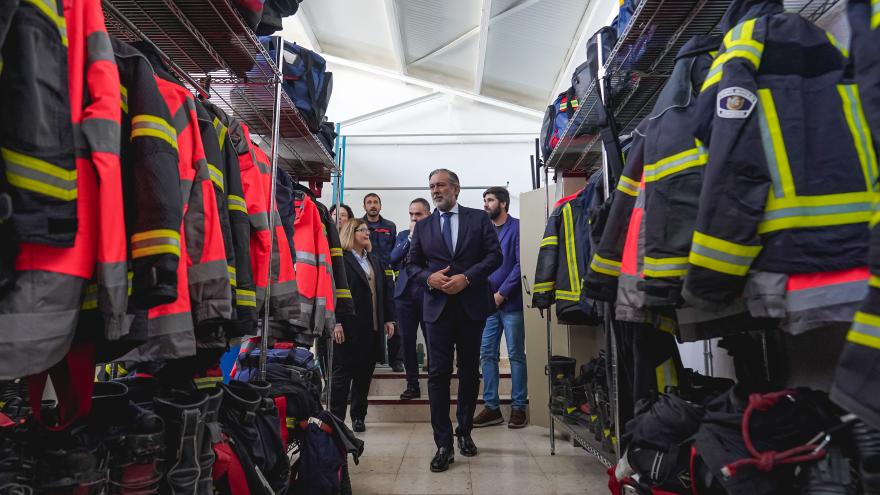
<point>382,235</point>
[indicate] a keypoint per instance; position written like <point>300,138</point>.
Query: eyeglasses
<point>362,229</point>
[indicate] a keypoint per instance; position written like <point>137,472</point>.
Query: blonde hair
<point>346,235</point>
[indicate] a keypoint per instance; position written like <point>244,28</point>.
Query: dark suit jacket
<point>403,288</point>
<point>477,254</point>
<point>363,344</point>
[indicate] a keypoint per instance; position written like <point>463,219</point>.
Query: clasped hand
<point>449,285</point>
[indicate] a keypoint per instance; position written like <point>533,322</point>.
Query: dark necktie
<point>447,231</point>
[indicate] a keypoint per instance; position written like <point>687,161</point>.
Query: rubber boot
<point>70,472</point>
<point>867,442</point>
<point>828,476</point>
<point>211,435</point>
<point>142,390</point>
<point>183,413</point>
<point>13,471</point>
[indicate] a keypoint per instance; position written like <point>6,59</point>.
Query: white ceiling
<point>511,50</point>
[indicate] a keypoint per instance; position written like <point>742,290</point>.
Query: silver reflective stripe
<point>721,256</point>
<point>99,47</point>
<point>264,168</point>
<point>31,173</point>
<point>818,297</point>
<point>259,221</point>
<point>306,257</point>
<point>180,119</point>
<point>186,186</point>
<point>283,288</point>
<point>207,272</point>
<point>171,323</point>
<point>102,135</point>
<point>810,211</point>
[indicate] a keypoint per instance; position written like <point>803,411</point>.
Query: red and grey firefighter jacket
<point>791,176</point>
<point>855,386</point>
<point>341,288</point>
<point>39,313</point>
<point>313,269</point>
<point>241,277</point>
<point>561,260</point>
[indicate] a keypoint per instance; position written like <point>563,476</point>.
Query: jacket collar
<point>349,258</point>
<point>680,90</point>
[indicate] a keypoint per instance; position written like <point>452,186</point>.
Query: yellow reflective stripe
<point>667,376</point>
<point>153,242</point>
<point>31,173</point>
<point>91,297</point>
<point>232,275</point>
<point>605,266</point>
<point>722,256</point>
<point>628,186</point>
<point>236,203</point>
<point>550,241</point>
<point>123,102</point>
<point>221,133</point>
<point>567,296</point>
<point>842,49</point>
<point>865,330</point>
<point>343,294</point>
<point>50,10</point>
<point>738,43</point>
<point>858,126</point>
<point>544,287</point>
<point>216,176</point>
<point>151,126</point>
<point>571,250</point>
<point>774,146</point>
<point>817,211</point>
<point>336,252</point>
<point>207,382</point>
<point>245,297</point>
<point>666,325</point>
<point>693,157</point>
<point>875,14</point>
<point>665,267</point>
<point>291,422</point>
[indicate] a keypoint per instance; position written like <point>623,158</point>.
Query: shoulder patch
<point>735,103</point>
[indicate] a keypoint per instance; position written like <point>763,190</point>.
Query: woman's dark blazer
<point>362,344</point>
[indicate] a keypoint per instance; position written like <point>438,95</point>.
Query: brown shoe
<point>488,417</point>
<point>517,419</point>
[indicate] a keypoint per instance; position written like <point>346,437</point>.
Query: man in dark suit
<point>452,253</point>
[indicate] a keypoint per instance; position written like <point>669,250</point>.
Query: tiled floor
<point>510,462</point>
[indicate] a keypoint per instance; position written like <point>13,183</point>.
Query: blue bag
<point>306,81</point>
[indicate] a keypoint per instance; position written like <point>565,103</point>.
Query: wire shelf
<point>212,45</point>
<point>582,436</point>
<point>639,66</point>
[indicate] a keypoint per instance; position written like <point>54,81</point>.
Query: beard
<point>443,203</point>
<point>494,214</point>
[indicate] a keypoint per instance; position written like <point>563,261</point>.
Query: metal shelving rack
<point>218,56</point>
<point>583,437</point>
<point>638,67</point>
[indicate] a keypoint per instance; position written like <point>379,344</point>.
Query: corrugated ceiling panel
<point>454,67</point>
<point>526,50</point>
<point>429,24</point>
<point>354,29</point>
<point>499,6</point>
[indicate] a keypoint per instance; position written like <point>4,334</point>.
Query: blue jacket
<point>508,279</point>
<point>477,255</point>
<point>402,287</point>
<point>382,235</point>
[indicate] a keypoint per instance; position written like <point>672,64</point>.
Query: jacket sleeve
<point>210,290</point>
<point>245,290</point>
<point>101,126</point>
<point>155,190</point>
<point>388,301</point>
<point>325,279</point>
<point>344,302</point>
<point>417,263</point>
<point>401,246</point>
<point>725,241</point>
<point>544,288</point>
<point>491,251</point>
<point>513,281</point>
<point>601,281</point>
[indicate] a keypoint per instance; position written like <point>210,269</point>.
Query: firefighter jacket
<point>243,281</point>
<point>855,386</point>
<point>344,303</point>
<point>382,236</point>
<point>283,293</point>
<point>38,315</point>
<point>314,269</point>
<point>790,179</point>
<point>674,163</point>
<point>604,271</point>
<point>561,260</point>
<point>630,305</point>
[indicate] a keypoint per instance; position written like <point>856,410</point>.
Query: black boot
<point>74,471</point>
<point>867,443</point>
<point>183,413</point>
<point>210,436</point>
<point>135,457</point>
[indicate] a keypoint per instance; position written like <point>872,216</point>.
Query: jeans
<point>513,326</point>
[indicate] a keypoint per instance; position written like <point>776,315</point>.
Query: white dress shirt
<point>454,220</point>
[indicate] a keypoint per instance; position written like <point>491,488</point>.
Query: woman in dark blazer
<point>357,341</point>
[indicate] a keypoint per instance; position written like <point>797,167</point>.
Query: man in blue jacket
<point>408,300</point>
<point>506,283</point>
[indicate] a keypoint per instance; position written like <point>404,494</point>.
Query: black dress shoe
<point>466,446</point>
<point>411,393</point>
<point>442,459</point>
<point>397,367</point>
<point>358,425</point>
